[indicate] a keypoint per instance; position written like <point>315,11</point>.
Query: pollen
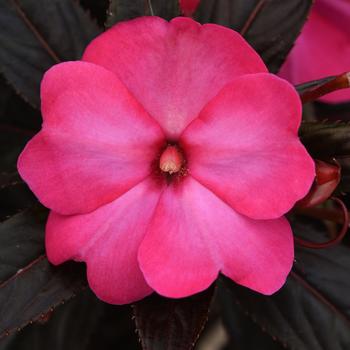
<point>171,160</point>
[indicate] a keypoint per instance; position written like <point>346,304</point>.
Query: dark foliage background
<point>312,311</point>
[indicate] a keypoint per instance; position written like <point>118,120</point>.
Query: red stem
<point>340,82</point>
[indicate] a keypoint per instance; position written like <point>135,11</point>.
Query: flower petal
<point>107,240</point>
<point>244,147</point>
<point>194,235</point>
<point>97,142</point>
<point>173,68</point>
<point>326,34</point>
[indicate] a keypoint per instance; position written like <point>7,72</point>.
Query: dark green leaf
<point>270,26</point>
<point>35,34</point>
<point>12,142</point>
<point>97,9</point>
<point>332,112</point>
<point>245,334</point>
<point>15,197</point>
<point>15,113</point>
<point>84,323</point>
<point>120,10</point>
<point>296,317</point>
<point>36,290</point>
<point>172,324</point>
<point>18,122</point>
<point>115,330</point>
<point>166,9</point>
<point>312,311</point>
<point>345,177</point>
<point>69,327</point>
<point>29,285</point>
<point>326,269</point>
<point>21,241</point>
<point>9,179</point>
<point>327,141</point>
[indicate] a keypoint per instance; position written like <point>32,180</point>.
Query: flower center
<point>171,160</point>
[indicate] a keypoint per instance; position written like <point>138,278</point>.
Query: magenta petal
<point>97,141</point>
<point>194,235</point>
<point>244,147</point>
<point>323,48</point>
<point>107,240</point>
<point>173,68</point>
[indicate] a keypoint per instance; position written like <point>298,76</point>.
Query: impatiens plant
<point>164,167</point>
<point>179,169</point>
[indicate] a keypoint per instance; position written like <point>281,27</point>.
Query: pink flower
<point>168,155</point>
<point>188,7</point>
<point>323,48</point>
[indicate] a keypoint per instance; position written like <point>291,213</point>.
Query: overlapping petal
<point>244,147</point>
<point>173,68</point>
<point>194,235</point>
<point>107,240</point>
<point>97,141</point>
<point>323,48</point>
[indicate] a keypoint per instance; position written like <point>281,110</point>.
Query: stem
<point>339,82</point>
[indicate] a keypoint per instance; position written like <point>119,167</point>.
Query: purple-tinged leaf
<point>312,311</point>
<point>172,324</point>
<point>36,290</point>
<point>97,9</point>
<point>329,141</point>
<point>15,197</point>
<point>244,333</point>
<point>21,241</point>
<point>29,286</point>
<point>69,327</point>
<point>121,10</point>
<point>35,34</point>
<point>9,179</point>
<point>270,26</point>
<point>296,316</point>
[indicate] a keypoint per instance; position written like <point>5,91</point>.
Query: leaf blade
<point>30,285</point>
<point>31,42</point>
<point>172,323</point>
<point>272,30</point>
<point>312,311</point>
